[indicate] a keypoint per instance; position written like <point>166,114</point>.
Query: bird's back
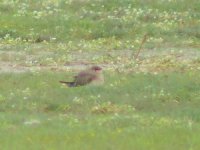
<point>84,78</point>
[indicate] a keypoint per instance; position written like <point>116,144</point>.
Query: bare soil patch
<point>148,60</point>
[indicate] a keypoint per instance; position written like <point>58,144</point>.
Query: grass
<point>125,22</point>
<point>148,103</point>
<point>141,111</point>
<point>42,92</point>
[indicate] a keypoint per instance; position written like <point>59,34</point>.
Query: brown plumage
<point>92,75</point>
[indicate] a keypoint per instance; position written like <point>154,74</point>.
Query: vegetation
<point>151,102</point>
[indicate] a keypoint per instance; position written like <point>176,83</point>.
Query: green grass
<point>149,103</point>
<point>141,111</point>
<point>123,21</point>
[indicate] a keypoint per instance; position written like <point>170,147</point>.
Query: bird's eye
<point>96,68</point>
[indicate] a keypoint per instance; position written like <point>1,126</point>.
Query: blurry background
<point>151,102</point>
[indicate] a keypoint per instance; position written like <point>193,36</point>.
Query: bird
<point>92,76</point>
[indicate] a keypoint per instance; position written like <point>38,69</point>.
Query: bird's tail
<point>69,84</point>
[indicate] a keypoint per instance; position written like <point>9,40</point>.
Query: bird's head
<point>96,69</point>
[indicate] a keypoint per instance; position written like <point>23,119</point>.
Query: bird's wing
<point>84,78</point>
<point>69,84</point>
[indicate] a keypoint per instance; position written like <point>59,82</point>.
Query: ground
<point>149,102</point>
